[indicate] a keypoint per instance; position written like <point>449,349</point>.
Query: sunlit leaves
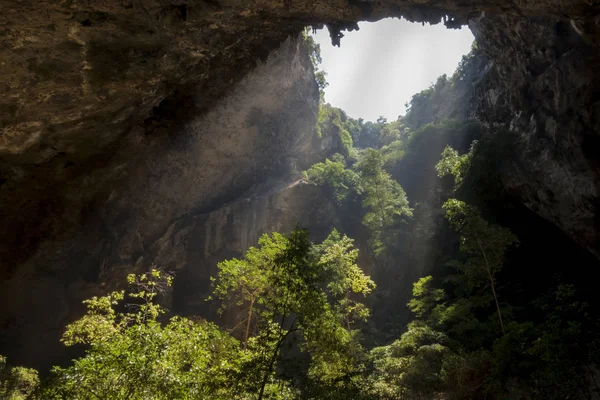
<point>131,355</point>
<point>425,297</point>
<point>384,199</point>
<point>334,175</point>
<point>337,258</point>
<point>411,367</point>
<point>454,164</point>
<point>314,52</point>
<point>298,290</point>
<point>16,383</point>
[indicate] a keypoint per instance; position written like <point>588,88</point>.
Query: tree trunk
<point>273,359</point>
<point>496,300</point>
<point>270,367</point>
<point>248,323</point>
<point>491,278</point>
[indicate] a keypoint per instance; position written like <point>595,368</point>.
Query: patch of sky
<point>377,69</point>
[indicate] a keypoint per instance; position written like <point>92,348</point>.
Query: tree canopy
<point>293,291</point>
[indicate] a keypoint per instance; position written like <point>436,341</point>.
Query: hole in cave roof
<point>377,69</point>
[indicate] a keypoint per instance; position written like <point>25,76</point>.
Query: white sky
<point>378,68</point>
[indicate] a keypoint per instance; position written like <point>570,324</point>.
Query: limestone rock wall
<point>85,82</point>
<point>542,93</point>
<point>262,132</point>
<point>192,247</point>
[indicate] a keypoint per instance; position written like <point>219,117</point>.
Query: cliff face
<point>127,125</point>
<point>532,83</point>
<point>159,187</point>
<point>541,92</point>
<point>86,83</point>
<point>193,246</point>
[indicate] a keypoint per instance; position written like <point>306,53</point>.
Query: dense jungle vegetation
<point>434,286</point>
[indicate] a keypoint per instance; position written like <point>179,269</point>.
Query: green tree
<point>314,52</point>
<point>384,198</point>
<point>17,383</point>
<point>454,164</point>
<point>337,258</point>
<point>304,291</point>
<point>334,123</point>
<point>425,298</point>
<point>559,357</point>
<point>392,131</point>
<point>411,367</point>
<point>367,135</point>
<point>484,245</point>
<point>131,355</point>
<point>455,318</point>
<point>243,283</point>
<point>333,174</point>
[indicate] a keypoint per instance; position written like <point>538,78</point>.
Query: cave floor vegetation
<point>433,282</point>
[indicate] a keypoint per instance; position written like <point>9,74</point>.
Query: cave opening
<point>378,68</point>
<point>145,134</point>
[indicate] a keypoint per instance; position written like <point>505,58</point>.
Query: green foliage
<point>443,98</point>
<point>314,51</point>
<point>17,383</point>
<point>484,245</point>
<point>333,174</point>
<point>357,134</point>
<point>454,164</point>
<point>304,291</point>
<point>429,104</point>
<point>411,367</point>
<point>321,79</point>
<point>132,356</point>
<point>558,358</point>
<point>377,134</point>
<point>460,321</point>
<point>384,199</point>
<point>335,123</point>
<point>467,375</point>
<point>425,298</point>
<point>393,152</point>
<point>465,66</point>
<point>337,256</point>
<point>393,131</point>
<point>301,306</point>
<point>456,319</point>
<point>555,359</point>
<point>346,141</point>
<point>368,135</point>
<point>294,294</point>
